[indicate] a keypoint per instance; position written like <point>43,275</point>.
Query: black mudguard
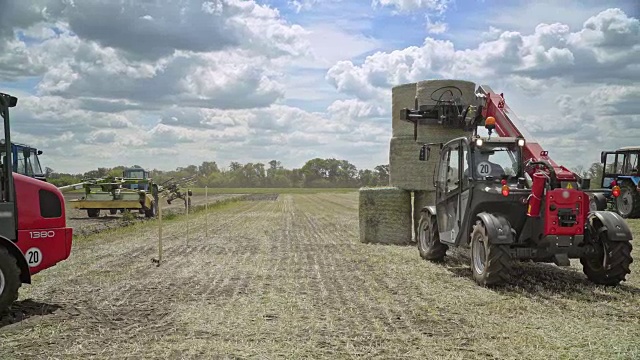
<point>498,228</point>
<point>14,250</point>
<point>617,228</point>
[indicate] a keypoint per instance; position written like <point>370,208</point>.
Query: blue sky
<point>168,83</point>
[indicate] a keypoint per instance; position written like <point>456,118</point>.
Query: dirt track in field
<point>288,278</point>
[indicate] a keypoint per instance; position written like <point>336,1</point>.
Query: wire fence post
<point>187,201</point>
<point>206,212</point>
<point>159,234</point>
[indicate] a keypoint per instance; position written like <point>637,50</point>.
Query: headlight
<point>479,142</point>
<point>520,142</point>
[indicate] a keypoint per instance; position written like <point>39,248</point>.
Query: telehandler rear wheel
<point>9,279</point>
<point>490,263</point>
<point>429,244</point>
<point>611,263</point>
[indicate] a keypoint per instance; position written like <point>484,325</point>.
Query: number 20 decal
<point>42,234</point>
<point>34,257</point>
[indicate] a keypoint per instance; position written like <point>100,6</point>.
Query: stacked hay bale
<point>385,215</point>
<point>390,215</point>
<point>406,171</point>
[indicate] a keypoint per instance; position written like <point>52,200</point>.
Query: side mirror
<point>39,152</point>
<point>603,157</point>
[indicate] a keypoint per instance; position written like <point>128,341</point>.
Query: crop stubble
<point>289,278</point>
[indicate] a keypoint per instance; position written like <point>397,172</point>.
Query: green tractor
<point>113,194</point>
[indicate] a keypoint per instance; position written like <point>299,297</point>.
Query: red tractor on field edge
<point>33,231</point>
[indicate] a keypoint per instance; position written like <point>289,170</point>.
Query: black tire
<point>113,211</point>
<point>92,213</point>
<point>490,263</point>
<point>428,239</point>
<point>610,265</point>
<point>151,213</point>
<point>628,203</point>
<point>9,279</point>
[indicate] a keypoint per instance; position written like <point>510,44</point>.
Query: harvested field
<point>289,278</point>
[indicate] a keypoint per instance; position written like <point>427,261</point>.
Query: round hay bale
<point>429,91</point>
<point>402,96</point>
<point>385,215</point>
<point>420,200</point>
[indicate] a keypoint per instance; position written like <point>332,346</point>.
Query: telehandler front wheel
<point>429,244</point>
<point>610,265</point>
<point>490,263</point>
<point>9,279</point>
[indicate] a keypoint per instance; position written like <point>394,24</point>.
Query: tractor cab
<point>25,160</point>
<point>136,172</point>
<point>476,174</point>
<point>622,168</point>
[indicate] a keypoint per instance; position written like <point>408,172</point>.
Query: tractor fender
<point>617,228</point>
<point>498,228</point>
<point>429,209</point>
<point>14,250</point>
<point>633,179</point>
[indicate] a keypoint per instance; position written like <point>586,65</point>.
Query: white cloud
<point>529,68</point>
<point>436,6</point>
<point>215,85</point>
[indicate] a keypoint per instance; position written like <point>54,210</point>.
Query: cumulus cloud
<point>214,82</point>
<point>550,52</point>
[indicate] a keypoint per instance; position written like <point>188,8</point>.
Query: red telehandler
<point>507,200</point>
<point>33,231</point>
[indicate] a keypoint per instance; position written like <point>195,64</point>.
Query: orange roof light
<point>490,122</point>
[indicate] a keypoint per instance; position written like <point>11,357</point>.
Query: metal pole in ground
<point>206,212</point>
<point>187,200</point>
<point>159,235</point>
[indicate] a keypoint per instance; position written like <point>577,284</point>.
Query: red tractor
<point>33,231</point>
<point>505,199</point>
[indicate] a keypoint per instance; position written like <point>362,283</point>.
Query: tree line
<point>316,173</point>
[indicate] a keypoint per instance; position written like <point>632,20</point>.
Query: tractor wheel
<point>490,263</point>
<point>429,244</point>
<point>628,203</point>
<point>611,263</point>
<point>92,213</point>
<point>151,213</point>
<point>9,279</point>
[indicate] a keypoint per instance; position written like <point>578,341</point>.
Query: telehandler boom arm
<point>507,124</point>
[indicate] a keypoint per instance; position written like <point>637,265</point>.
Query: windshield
<point>496,160</point>
<point>135,174</point>
<point>35,163</point>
